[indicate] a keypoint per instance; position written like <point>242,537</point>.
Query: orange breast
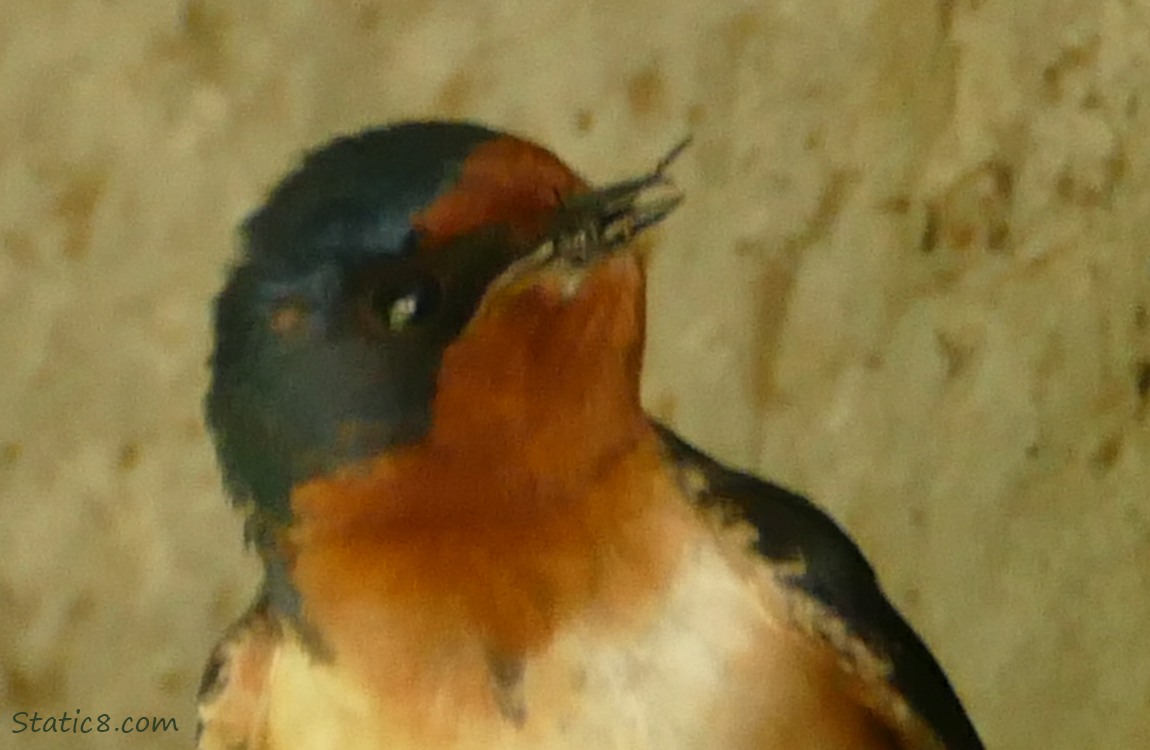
<point>539,495</point>
<point>507,580</point>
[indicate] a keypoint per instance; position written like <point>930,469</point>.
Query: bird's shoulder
<point>833,596</point>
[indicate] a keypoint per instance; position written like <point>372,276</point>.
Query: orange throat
<point>538,496</point>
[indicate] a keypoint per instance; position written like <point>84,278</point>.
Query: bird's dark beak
<point>591,225</point>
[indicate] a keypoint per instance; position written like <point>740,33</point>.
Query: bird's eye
<point>399,305</point>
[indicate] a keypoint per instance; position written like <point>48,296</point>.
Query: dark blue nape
<point>357,194</point>
<point>284,408</point>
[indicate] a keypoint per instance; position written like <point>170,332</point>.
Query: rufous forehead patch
<point>505,181</point>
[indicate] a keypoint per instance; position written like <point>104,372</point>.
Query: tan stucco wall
<point>912,279</point>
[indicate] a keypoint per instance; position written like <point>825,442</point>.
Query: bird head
<point>427,281</point>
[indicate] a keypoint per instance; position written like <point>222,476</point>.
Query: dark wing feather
<point>231,698</point>
<point>836,575</point>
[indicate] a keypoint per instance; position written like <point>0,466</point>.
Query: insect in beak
<point>590,225</point>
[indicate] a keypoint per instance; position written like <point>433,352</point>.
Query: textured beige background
<point>912,279</point>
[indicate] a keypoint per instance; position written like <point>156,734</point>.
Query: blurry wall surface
<point>911,279</point>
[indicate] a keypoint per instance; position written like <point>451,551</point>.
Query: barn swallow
<point>425,396</point>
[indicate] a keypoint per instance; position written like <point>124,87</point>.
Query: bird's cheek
<point>573,323</point>
<point>607,310</point>
<point>569,298</point>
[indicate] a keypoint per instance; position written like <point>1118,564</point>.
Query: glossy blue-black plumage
<point>357,195</point>
<point>323,387</point>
